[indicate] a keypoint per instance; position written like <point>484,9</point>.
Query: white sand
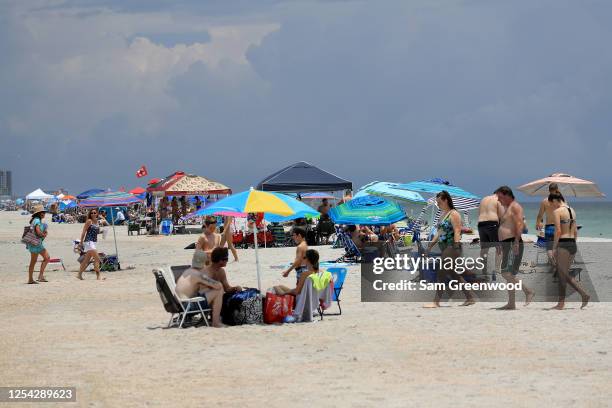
<point>105,339</point>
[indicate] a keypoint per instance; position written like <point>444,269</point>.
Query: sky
<point>480,92</point>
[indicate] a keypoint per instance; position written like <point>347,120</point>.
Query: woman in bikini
<point>564,248</point>
<point>448,238</point>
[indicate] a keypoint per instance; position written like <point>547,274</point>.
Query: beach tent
<point>89,193</point>
<point>38,194</point>
<point>568,185</point>
<point>303,177</point>
<point>183,184</point>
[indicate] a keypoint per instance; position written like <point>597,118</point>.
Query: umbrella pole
<point>257,258</point>
<point>114,235</point>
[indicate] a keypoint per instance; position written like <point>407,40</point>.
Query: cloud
<point>481,93</point>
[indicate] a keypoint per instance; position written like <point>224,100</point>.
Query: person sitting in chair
<point>311,262</point>
<point>196,282</point>
<point>218,261</point>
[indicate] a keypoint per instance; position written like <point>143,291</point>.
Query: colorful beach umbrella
<point>89,193</point>
<point>110,199</point>
<point>390,190</point>
<point>254,201</point>
<point>568,185</point>
<point>367,210</point>
<point>137,191</point>
<point>463,200</point>
<point>181,184</point>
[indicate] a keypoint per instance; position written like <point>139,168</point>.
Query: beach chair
<point>352,253</point>
<point>325,229</point>
<point>178,308</point>
<point>54,263</point>
<point>338,275</point>
<point>311,302</point>
<point>541,249</point>
<point>278,235</point>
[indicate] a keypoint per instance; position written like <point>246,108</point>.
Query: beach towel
<point>309,300</point>
<point>320,280</point>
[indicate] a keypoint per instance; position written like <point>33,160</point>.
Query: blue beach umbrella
<point>463,200</point>
<point>367,210</point>
<point>110,199</point>
<point>390,190</point>
<point>89,193</point>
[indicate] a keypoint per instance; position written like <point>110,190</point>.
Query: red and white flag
<point>142,172</point>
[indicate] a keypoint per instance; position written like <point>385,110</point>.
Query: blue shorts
<point>549,236</point>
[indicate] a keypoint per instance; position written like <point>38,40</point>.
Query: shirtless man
<point>510,229</point>
<point>549,228</point>
<point>209,239</point>
<point>193,282</point>
<point>299,236</point>
<point>218,261</point>
<point>488,228</point>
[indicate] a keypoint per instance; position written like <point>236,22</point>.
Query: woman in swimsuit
<point>448,238</point>
<point>89,239</point>
<point>564,247</point>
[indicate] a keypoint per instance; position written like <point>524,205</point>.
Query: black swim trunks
<point>508,251</point>
<point>487,230</point>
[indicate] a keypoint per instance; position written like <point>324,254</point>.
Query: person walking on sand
<point>564,247</point>
<point>511,227</point>
<point>488,231</point>
<point>227,237</point>
<point>40,229</point>
<point>547,208</point>
<point>89,240</point>
<point>299,236</point>
<point>448,238</point>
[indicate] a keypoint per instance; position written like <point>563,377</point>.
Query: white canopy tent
<point>38,194</point>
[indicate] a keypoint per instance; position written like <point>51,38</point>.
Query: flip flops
<point>33,283</point>
<point>42,280</point>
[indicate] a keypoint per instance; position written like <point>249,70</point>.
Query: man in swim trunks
<point>488,228</point>
<point>549,228</point>
<point>510,229</point>
<point>299,236</point>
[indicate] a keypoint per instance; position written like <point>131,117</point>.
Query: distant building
<point>6,184</point>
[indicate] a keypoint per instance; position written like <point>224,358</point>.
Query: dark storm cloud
<point>481,93</point>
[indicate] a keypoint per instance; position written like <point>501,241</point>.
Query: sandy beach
<point>106,339</point>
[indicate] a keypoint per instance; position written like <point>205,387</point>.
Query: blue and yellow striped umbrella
<point>367,210</point>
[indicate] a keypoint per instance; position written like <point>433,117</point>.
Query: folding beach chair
<point>178,308</point>
<point>54,263</point>
<point>352,253</point>
<point>541,249</point>
<point>338,276</point>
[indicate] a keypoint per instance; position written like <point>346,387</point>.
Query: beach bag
<point>244,307</point>
<point>277,308</point>
<point>29,237</point>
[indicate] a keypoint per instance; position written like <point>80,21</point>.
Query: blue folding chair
<point>352,253</point>
<point>338,276</point>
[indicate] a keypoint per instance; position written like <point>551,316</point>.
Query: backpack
<point>243,307</point>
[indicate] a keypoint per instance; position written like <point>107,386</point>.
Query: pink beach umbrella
<point>569,186</point>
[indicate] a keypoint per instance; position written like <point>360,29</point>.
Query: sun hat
<point>38,208</point>
<point>199,259</point>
